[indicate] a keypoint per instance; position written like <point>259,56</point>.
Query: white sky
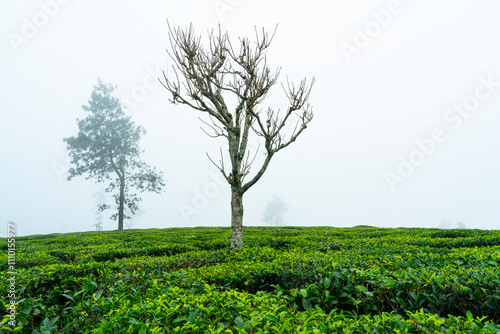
<point>370,107</point>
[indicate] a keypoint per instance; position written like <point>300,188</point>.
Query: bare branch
<point>245,170</point>
<point>240,70</point>
<point>259,174</point>
<point>218,131</point>
<point>221,166</point>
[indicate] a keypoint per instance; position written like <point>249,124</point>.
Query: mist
<point>406,105</point>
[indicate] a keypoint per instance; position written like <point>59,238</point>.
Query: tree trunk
<point>236,219</point>
<point>121,205</point>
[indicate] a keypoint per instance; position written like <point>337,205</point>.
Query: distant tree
<point>98,223</point>
<point>273,214</point>
<point>100,201</point>
<point>217,74</point>
<point>446,224</point>
<point>106,149</point>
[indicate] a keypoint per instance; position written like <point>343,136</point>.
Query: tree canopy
<point>107,149</point>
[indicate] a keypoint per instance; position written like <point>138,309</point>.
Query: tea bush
<point>285,280</point>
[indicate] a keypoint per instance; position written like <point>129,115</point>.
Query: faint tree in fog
<point>106,149</point>
<point>273,214</point>
<point>209,77</point>
<point>445,224</point>
<point>100,201</point>
<point>98,224</point>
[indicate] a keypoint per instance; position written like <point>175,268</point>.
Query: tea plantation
<point>285,280</point>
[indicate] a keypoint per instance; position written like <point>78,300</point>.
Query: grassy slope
<point>285,280</point>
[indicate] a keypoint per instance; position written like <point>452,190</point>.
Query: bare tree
<point>206,76</point>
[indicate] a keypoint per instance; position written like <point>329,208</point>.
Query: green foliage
<point>285,280</point>
<point>106,149</point>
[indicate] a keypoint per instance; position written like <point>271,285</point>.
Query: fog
<point>406,103</point>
